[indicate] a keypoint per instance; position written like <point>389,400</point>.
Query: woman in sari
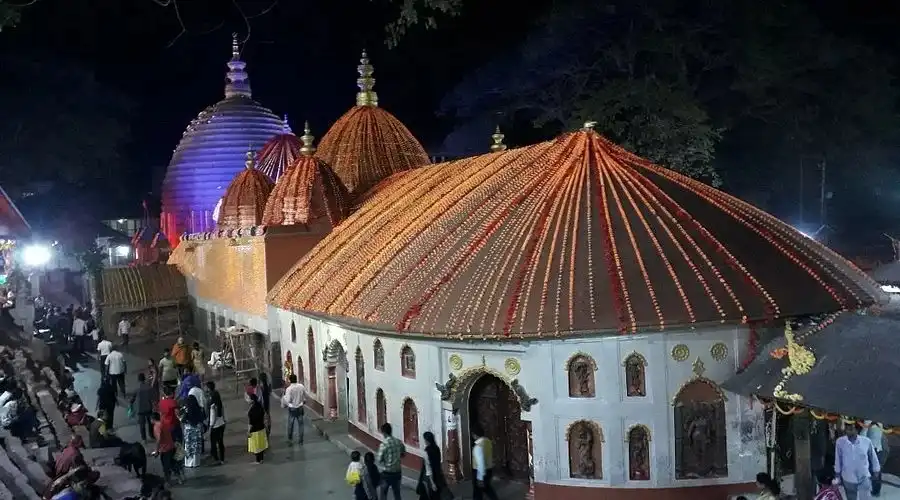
<point>257,441</point>
<point>193,432</point>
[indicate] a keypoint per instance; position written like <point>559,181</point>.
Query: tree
<point>9,14</point>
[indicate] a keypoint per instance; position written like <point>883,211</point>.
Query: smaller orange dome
<point>279,153</point>
<point>308,190</point>
<point>367,144</point>
<point>245,199</point>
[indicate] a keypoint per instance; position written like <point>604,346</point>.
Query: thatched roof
<point>142,287</point>
<point>855,372</point>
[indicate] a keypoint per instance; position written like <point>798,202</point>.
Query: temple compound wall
<point>625,413</point>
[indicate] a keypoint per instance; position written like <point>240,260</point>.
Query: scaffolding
<point>240,345</point>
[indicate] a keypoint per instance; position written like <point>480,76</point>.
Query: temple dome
<point>308,191</point>
<point>279,153</point>
<point>368,144</point>
<point>245,199</point>
<point>212,151</point>
<point>568,237</point>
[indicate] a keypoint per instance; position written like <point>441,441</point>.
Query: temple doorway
<point>495,408</point>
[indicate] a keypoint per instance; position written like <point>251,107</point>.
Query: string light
<point>309,190</point>
<point>515,243</point>
<point>245,198</point>
<point>368,144</point>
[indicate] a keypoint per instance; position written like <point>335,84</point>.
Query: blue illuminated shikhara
<point>212,151</point>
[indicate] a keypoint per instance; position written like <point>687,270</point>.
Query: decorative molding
<point>638,426</point>
<point>698,368</point>
<point>404,347</point>
<point>636,355</point>
<point>448,388</point>
<point>454,388</point>
<point>512,366</point>
<point>580,354</point>
<point>403,403</point>
<point>702,380</point>
<point>456,362</point>
<point>593,425</point>
<point>719,351</point>
<point>681,352</point>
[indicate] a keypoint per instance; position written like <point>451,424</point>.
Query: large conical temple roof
<point>368,144</point>
<point>212,151</point>
<point>245,199</point>
<point>569,237</point>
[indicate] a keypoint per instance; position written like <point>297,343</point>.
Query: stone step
<point>15,480</point>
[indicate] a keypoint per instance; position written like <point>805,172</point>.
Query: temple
<point>579,303</point>
<point>212,151</point>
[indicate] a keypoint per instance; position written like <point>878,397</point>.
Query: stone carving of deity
<point>581,378</point>
<point>638,455</point>
<point>634,377</point>
<point>585,459</point>
<point>699,436</point>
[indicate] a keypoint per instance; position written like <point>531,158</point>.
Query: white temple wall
<point>540,368</point>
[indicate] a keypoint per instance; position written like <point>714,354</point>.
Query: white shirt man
<point>78,327</point>
<point>115,363</point>
<point>104,348</point>
<point>854,463</point>
<point>124,328</point>
<point>294,399</point>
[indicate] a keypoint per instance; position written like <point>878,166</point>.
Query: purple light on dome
<point>212,151</point>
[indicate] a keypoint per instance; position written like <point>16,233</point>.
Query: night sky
<point>302,58</point>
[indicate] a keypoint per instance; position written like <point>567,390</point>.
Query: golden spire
<point>307,138</point>
<point>498,145</point>
<point>251,159</point>
<point>366,82</point>
<point>589,125</point>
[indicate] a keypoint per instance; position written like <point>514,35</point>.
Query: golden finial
<point>235,47</point>
<point>307,138</point>
<point>366,82</point>
<point>251,157</point>
<point>498,145</point>
<point>589,125</point>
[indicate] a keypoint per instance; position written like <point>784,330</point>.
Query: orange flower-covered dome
<point>569,237</point>
<point>308,190</point>
<point>279,153</point>
<point>245,199</point>
<point>368,144</point>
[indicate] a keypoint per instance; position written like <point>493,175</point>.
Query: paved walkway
<point>314,470</point>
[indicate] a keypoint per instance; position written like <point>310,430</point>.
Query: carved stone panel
<point>700,432</point>
<point>407,362</point>
<point>635,376</point>
<point>585,440</point>
<point>581,377</point>
<point>638,453</point>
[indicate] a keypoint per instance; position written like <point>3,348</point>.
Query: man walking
<point>875,433</point>
<point>483,463</point>
<point>142,402</point>
<point>294,400</point>
<point>79,334</point>
<point>124,330</point>
<point>388,459</point>
<point>103,347</point>
<point>115,368</point>
<point>855,462</point>
<point>168,372</point>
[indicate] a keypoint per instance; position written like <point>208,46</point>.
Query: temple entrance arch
<point>337,368</point>
<point>489,399</point>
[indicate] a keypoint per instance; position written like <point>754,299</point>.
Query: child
<point>354,476</point>
<point>371,478</point>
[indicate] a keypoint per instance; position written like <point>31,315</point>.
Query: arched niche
<point>407,362</point>
<point>585,446</point>
<point>293,332</point>
<point>361,415</point>
<point>581,368</point>
<point>410,422</point>
<point>638,440</point>
<point>311,359</point>
<point>635,365</point>
<point>378,355</point>
<point>380,408</point>
<point>701,440</point>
